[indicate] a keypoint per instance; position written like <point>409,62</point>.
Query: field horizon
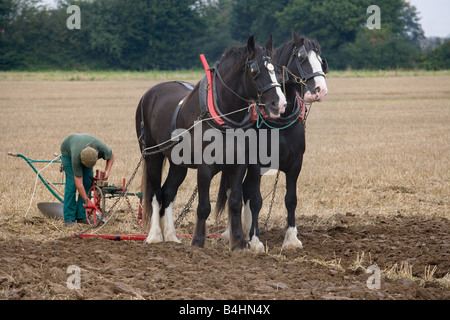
<point>194,74</point>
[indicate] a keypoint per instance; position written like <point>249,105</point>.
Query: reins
<point>174,139</point>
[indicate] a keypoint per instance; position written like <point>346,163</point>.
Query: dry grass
<point>379,146</point>
<point>376,146</point>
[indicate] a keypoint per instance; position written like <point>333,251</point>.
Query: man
<point>80,153</point>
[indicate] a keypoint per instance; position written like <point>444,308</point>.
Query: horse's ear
<point>297,39</point>
<point>251,46</point>
<point>269,44</point>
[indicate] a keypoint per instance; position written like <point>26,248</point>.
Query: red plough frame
<point>133,237</point>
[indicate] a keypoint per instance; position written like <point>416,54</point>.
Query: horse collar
<point>208,101</point>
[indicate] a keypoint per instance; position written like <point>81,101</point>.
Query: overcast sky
<point>434,14</point>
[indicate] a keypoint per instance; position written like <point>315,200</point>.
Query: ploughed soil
<point>333,264</point>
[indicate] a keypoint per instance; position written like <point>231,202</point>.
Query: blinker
<point>325,66</point>
<point>254,68</point>
<point>301,53</point>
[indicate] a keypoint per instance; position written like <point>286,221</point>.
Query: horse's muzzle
<point>317,96</point>
<point>276,109</point>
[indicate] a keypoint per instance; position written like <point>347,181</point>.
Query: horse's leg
<point>174,179</point>
<point>226,234</point>
<point>290,239</point>
<point>204,176</point>
<point>153,196</point>
<point>252,206</point>
<point>235,176</point>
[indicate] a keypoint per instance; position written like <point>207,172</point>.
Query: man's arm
<point>108,166</point>
<point>81,191</point>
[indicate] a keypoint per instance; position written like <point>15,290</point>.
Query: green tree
<point>380,49</point>
<point>258,18</point>
<point>340,27</point>
<point>174,27</point>
<point>216,35</point>
<point>170,34</point>
<point>114,34</point>
<point>143,34</point>
<point>438,58</point>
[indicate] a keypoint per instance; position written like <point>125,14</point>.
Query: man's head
<point>89,156</point>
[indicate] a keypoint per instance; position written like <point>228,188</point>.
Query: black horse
<point>243,77</point>
<point>303,71</point>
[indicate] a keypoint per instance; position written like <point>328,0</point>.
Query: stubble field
<point>374,191</point>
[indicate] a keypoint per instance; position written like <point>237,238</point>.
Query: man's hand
<point>89,203</point>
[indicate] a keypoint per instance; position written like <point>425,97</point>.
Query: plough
<point>98,193</point>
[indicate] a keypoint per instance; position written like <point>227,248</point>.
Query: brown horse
<point>243,77</point>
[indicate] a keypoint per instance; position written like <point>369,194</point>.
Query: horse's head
<point>261,72</point>
<point>253,64</point>
<point>303,64</point>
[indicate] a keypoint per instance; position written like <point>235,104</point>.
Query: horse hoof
<point>240,244</point>
<point>198,242</point>
<point>290,240</point>
<point>293,245</point>
<point>154,239</point>
<point>172,238</point>
<point>155,235</point>
<point>256,245</point>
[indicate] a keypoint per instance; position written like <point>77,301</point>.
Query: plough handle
<point>14,154</point>
<point>30,163</point>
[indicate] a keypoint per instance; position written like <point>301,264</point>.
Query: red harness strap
<point>210,99</point>
<point>302,113</point>
<point>255,115</point>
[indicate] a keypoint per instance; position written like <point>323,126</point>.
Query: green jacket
<point>74,143</point>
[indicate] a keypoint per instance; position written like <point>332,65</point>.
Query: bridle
<point>300,55</point>
<point>252,67</point>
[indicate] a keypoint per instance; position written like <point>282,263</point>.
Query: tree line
<point>170,34</point>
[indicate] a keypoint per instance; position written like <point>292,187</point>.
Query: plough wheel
<point>94,217</point>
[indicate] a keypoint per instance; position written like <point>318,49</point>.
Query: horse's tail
<point>139,120</point>
<point>146,203</point>
<point>222,197</point>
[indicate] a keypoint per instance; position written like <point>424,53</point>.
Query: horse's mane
<point>284,51</point>
<point>239,53</point>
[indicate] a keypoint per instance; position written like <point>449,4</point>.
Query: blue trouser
<point>73,209</point>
